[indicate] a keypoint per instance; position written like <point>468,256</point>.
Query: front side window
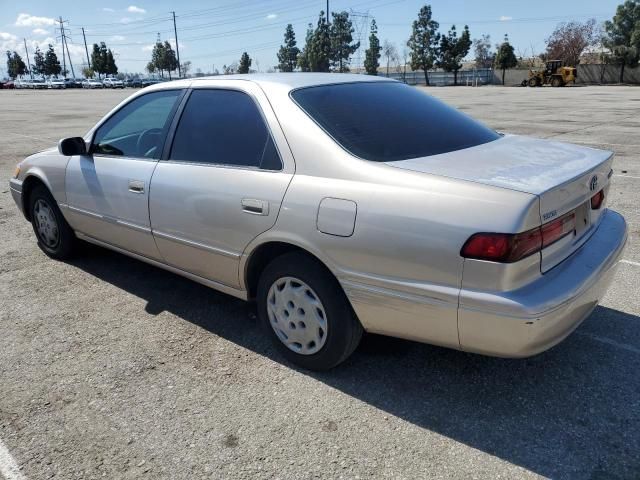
<point>389,121</point>
<point>224,127</point>
<point>139,128</point>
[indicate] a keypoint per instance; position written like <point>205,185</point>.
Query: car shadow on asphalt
<point>571,412</point>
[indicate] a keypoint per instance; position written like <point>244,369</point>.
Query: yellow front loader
<point>554,74</point>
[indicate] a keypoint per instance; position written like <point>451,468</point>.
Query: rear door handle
<point>255,206</point>
<point>136,186</point>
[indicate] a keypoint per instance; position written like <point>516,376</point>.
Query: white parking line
<point>608,341</point>
<point>9,468</point>
<point>628,176</point>
<point>629,262</point>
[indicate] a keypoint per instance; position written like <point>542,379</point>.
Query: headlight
<point>17,172</point>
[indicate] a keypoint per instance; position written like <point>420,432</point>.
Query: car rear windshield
<point>389,121</point>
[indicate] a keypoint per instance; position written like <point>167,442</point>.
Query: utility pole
<point>73,74</point>
<point>85,48</point>
<point>175,31</point>
<point>64,62</point>
<point>327,12</point>
<point>28,61</point>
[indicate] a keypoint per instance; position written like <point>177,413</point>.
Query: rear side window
<point>224,127</point>
<point>388,121</point>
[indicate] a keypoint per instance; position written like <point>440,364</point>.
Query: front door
<point>108,189</point>
<point>223,182</point>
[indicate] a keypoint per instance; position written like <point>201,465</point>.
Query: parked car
<point>147,82</point>
<point>8,84</point>
<point>111,82</point>
<point>39,83</point>
<point>73,82</point>
<point>56,83</point>
<point>134,83</point>
<point>341,204</point>
<point>92,83</point>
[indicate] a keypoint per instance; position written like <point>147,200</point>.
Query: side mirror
<point>72,146</point>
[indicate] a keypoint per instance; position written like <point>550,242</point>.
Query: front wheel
<point>306,313</point>
<point>55,237</point>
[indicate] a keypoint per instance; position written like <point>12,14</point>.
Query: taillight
<point>509,248</point>
<point>597,200</point>
<point>557,229</point>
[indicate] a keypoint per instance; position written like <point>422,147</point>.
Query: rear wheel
<point>305,312</point>
<point>556,82</point>
<point>55,237</point>
<point>533,82</point>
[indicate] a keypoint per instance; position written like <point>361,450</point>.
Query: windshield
<point>389,121</point>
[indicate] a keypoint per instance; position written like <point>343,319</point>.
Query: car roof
<point>291,81</point>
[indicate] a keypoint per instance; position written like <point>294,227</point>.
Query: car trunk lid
<point>563,176</point>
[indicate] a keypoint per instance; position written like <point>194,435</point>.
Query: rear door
<point>222,182</point>
<point>108,189</point>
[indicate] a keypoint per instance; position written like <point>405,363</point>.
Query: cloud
<point>126,20</point>
<point>505,18</point>
<point>134,9</point>
<point>107,9</point>
<point>271,16</point>
<point>40,31</point>
<point>4,36</point>
<point>117,38</point>
<point>26,20</point>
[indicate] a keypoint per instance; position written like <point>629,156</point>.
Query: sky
<point>215,33</point>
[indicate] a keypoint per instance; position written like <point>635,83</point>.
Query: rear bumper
<point>534,318</point>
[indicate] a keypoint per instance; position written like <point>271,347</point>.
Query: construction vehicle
<point>554,74</point>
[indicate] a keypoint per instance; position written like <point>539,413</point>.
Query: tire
<point>319,314</point>
<point>533,82</point>
<point>556,82</point>
<point>55,236</point>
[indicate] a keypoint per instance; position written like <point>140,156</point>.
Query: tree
<point>87,72</point>
<point>341,36</point>
<point>51,62</point>
<point>288,53</point>
<point>372,55</point>
<point>185,67</point>
<point>100,62</point>
<point>424,42</point>
<point>15,65</point>
<point>230,69</point>
<point>319,55</point>
<point>245,63</point>
<point>623,35</point>
<point>157,57</point>
<point>39,67</point>
<point>303,56</point>
<point>452,51</point>
<point>169,59</point>
<point>505,58</point>
<point>110,67</point>
<point>569,40</point>
<point>484,57</point>
<point>151,68</point>
<point>389,52</point>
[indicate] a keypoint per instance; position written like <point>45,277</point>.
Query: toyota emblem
<point>593,183</point>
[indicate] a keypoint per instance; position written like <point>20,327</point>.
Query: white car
<point>56,83</point>
<point>111,82</point>
<point>92,83</point>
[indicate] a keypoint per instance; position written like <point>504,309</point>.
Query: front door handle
<point>136,186</point>
<point>255,206</point>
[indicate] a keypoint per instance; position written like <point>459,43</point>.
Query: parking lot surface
<point>113,368</point>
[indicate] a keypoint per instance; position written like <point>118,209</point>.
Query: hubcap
<point>46,224</point>
<point>297,316</point>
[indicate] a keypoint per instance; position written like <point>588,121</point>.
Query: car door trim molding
<point>107,218</point>
<point>238,293</point>
<point>198,245</point>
